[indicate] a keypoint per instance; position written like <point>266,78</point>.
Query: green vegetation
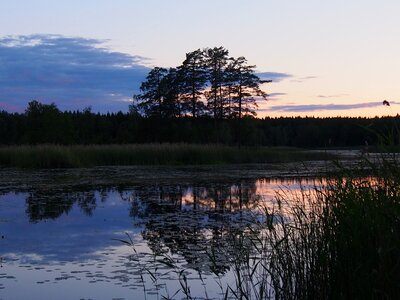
<point>55,156</point>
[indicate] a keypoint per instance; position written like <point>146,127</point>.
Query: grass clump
<point>56,156</point>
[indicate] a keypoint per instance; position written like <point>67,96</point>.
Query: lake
<point>133,232</point>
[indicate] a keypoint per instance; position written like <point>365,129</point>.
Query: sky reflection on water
<point>62,242</point>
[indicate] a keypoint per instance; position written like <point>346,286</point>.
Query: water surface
<point>62,231</point>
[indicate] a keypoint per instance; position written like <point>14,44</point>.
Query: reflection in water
<point>193,221</point>
<point>201,225</point>
<point>48,204</point>
<point>196,221</point>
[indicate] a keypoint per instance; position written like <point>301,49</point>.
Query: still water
<point>117,233</point>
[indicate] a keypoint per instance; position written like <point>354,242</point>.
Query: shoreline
<point>77,156</point>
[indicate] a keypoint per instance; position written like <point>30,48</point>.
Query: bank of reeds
<point>338,241</point>
<point>56,156</point>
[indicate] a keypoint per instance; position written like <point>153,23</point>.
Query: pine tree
<point>160,94</point>
<point>170,89</point>
<point>245,86</point>
<point>194,79</point>
<point>150,99</point>
<point>234,88</point>
<point>216,60</point>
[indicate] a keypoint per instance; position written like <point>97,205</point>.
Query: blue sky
<point>336,57</point>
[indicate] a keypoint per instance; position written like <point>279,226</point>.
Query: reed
<point>57,156</point>
<point>338,241</point>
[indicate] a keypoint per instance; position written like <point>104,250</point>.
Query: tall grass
<point>339,241</point>
<point>55,156</point>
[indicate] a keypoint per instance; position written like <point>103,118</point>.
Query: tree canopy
<point>208,83</point>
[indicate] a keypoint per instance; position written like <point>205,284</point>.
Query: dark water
<point>63,232</point>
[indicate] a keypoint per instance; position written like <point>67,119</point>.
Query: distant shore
<point>59,156</point>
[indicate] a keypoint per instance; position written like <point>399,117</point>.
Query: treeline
<point>208,83</point>
<point>43,123</point>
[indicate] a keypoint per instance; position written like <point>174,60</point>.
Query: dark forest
<point>43,123</point>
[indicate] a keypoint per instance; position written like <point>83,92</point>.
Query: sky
<point>326,58</point>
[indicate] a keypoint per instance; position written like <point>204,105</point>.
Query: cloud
<point>274,76</point>
<point>72,72</point>
<point>308,77</point>
<point>275,96</point>
<point>332,96</point>
<point>319,107</point>
<point>302,79</point>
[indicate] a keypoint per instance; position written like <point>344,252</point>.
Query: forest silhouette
<point>44,123</point>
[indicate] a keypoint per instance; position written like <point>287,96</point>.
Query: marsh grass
<point>340,240</point>
<point>56,156</point>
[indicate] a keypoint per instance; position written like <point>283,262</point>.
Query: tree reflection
<point>204,224</point>
<point>43,204</point>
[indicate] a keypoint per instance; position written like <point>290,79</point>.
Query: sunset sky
<point>326,58</point>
